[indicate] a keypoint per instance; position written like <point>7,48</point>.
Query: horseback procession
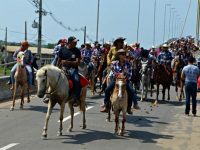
<point>121,72</point>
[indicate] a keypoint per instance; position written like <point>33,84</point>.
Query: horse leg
<point>157,94</point>
<point>123,123</point>
<point>28,95</point>
<point>62,109</point>
<point>146,91</point>
<point>142,94</point>
<point>163,93</point>
<point>72,117</point>
<point>14,97</point>
<point>168,98</point>
<point>82,105</point>
<point>49,110</point>
<point>22,97</point>
<point>116,122</point>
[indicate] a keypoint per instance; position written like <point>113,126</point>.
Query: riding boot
<point>76,102</point>
<point>129,111</point>
<point>46,99</point>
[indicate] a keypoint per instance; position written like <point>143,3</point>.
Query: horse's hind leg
<point>22,98</point>
<point>168,93</point>
<point>116,122</point>
<point>62,109</point>
<point>72,117</point>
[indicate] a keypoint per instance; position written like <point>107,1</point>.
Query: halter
<point>55,89</point>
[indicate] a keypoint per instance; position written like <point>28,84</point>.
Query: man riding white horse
<point>69,58</point>
<point>28,60</point>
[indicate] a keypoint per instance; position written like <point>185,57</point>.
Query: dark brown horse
<point>161,76</point>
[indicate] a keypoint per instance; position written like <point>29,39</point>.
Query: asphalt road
<point>152,128</point>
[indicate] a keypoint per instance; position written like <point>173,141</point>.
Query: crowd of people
<point>120,57</point>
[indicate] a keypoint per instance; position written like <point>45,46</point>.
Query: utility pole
<point>40,32</point>
<point>97,31</point>
<point>25,31</point>
<point>165,21</point>
<point>197,24</point>
<point>138,23</point>
<point>84,34</point>
<point>5,52</point>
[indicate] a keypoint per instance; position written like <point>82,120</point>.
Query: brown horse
<point>53,81</point>
<point>161,76</point>
<point>119,102</point>
<point>177,67</point>
<point>20,80</point>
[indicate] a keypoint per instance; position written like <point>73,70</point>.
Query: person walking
<point>190,74</point>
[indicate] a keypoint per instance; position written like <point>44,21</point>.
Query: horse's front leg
<point>116,122</point>
<point>123,123</point>
<point>14,97</point>
<point>163,93</point>
<point>157,94</point>
<point>72,116</point>
<point>28,95</point>
<point>62,109</point>
<point>168,93</point>
<point>22,97</point>
<point>50,107</point>
<point>142,92</point>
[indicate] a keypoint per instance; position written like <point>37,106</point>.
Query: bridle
<point>55,89</point>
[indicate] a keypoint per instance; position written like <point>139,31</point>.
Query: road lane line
<point>75,114</point>
<point>9,146</point>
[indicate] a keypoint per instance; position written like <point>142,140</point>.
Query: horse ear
<point>45,73</point>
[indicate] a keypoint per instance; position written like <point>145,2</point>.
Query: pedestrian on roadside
<point>190,75</point>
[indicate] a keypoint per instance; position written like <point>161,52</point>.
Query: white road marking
<point>9,146</point>
<point>75,114</point>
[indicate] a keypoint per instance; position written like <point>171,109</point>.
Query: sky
<point>116,18</point>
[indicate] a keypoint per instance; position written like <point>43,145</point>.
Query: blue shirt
<point>165,57</point>
<point>191,73</point>
<point>28,59</point>
<point>126,68</point>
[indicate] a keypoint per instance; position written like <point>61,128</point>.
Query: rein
<point>55,89</point>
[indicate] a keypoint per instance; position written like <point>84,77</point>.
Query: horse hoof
<point>28,101</point>
<point>59,133</point>
<point>21,107</point>
<point>12,108</point>
<point>69,130</point>
<point>107,120</point>
<point>44,137</point>
<point>84,127</point>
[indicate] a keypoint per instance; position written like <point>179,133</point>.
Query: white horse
<point>145,80</point>
<point>53,81</point>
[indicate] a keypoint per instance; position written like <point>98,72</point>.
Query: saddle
<point>84,82</point>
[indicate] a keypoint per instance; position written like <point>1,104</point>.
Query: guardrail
<point>5,92</point>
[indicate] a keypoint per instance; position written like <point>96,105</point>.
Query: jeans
<point>76,82</point>
<point>191,91</point>
<point>30,75</point>
<point>55,60</point>
<point>130,91</point>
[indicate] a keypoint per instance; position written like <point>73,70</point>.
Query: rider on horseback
<point>69,57</point>
<point>165,58</point>
<point>121,65</point>
<point>28,60</point>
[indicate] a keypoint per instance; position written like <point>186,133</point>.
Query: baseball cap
<point>72,39</point>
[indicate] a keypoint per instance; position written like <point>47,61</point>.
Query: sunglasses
<point>123,54</point>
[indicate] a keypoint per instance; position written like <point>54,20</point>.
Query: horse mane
<point>47,67</point>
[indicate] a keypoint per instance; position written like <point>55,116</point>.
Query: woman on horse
<point>28,60</point>
<point>121,65</point>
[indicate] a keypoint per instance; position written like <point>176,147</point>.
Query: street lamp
<point>97,31</point>
<point>154,27</point>
<point>138,25</point>
<point>170,21</point>
<point>173,22</point>
<point>165,21</point>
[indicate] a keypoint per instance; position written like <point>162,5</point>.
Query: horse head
<point>144,67</point>
<point>20,58</point>
<point>120,84</point>
<point>41,77</point>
